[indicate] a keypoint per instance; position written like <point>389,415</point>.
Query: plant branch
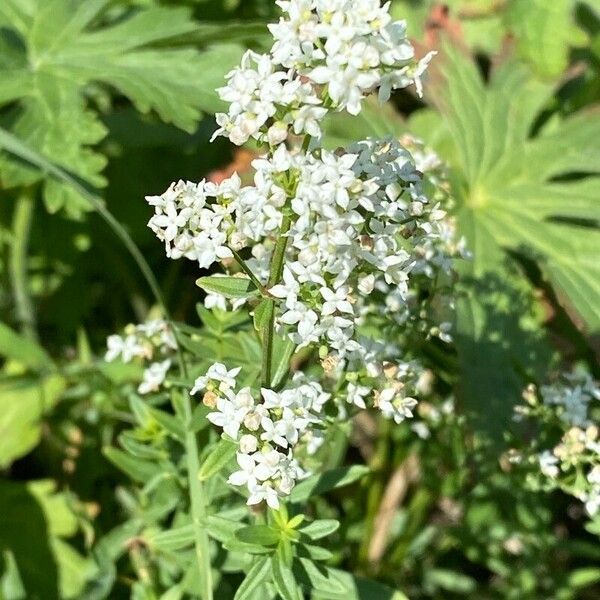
<point>242,263</point>
<point>21,229</point>
<point>274,277</point>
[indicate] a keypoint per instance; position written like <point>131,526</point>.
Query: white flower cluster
<point>267,430</point>
<point>572,400</point>
<point>152,342</point>
<point>327,55</point>
<point>359,223</point>
<point>353,228</point>
<point>573,464</point>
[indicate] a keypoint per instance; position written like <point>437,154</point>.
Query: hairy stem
<point>274,277</point>
<point>21,228</point>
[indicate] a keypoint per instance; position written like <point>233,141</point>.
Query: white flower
<point>335,301</point>
<point>217,372</point>
<point>264,491</point>
<point>248,443</point>
<point>356,394</point>
<point>394,406</point>
<point>154,376</point>
<point>126,348</point>
<point>548,464</point>
<point>250,471</point>
<point>228,416</point>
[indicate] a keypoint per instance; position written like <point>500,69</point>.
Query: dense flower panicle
<point>326,56</point>
<point>153,343</point>
<point>267,430</point>
<point>359,241</point>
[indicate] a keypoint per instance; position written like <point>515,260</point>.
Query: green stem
<point>274,277</point>
<point>21,228</point>
<point>197,503</point>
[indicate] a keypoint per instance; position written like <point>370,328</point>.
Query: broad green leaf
<point>320,529</point>
<point>54,52</point>
<point>23,404</point>
<point>256,576</point>
<point>263,535</point>
<point>17,347</point>
<point>219,457</point>
<point>325,482</point>
<point>230,287</point>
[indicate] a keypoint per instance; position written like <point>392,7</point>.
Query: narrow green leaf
<point>221,529</point>
<point>261,313</point>
<point>255,577</point>
<point>139,470</point>
<point>283,348</point>
<point>23,350</point>
<point>175,539</point>
<point>258,534</point>
<point>169,423</point>
<point>320,529</point>
<point>221,454</point>
<point>318,578</point>
<point>284,579</point>
<point>230,287</point>
<point>314,552</point>
<point>324,482</point>
<point>584,577</point>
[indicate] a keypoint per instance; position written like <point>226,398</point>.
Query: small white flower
<point>154,377</point>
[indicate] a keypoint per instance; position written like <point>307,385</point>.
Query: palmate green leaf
<point>511,204</point>
<point>54,52</point>
<point>544,32</point>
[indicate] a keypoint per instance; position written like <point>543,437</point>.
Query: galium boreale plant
<point>328,260</point>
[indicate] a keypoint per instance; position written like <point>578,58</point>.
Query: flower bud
<point>366,283</point>
<point>248,444</point>
<point>277,133</point>
<point>252,421</point>
<point>209,399</point>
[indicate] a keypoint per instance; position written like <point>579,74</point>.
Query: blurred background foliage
<point>120,93</point>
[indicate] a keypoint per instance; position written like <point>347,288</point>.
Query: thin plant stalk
<point>21,229</point>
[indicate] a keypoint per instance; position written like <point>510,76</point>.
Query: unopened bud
<point>209,399</point>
